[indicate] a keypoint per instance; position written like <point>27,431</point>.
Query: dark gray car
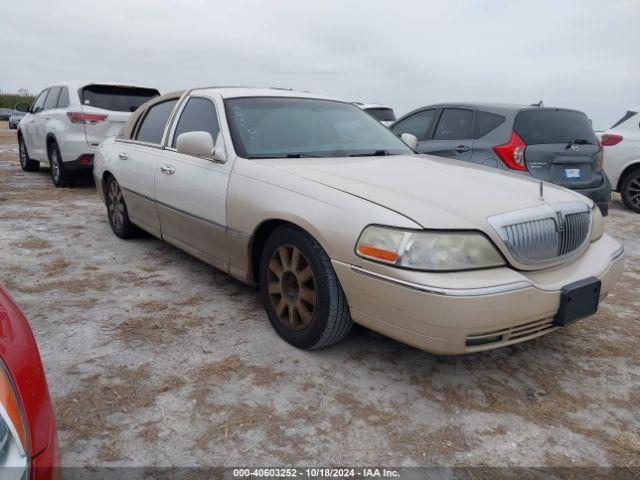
<point>557,145</point>
<point>14,119</point>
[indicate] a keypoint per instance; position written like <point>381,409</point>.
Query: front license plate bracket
<point>578,300</point>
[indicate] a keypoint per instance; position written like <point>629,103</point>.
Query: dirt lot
<point>154,358</point>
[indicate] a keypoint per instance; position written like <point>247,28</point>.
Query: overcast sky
<point>575,53</point>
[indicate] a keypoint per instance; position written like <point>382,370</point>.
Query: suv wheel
<point>630,190</point>
<point>117,210</point>
<point>26,163</point>
<point>301,292</point>
<point>59,175</point>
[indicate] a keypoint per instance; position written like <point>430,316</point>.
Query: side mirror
<point>199,144</point>
<point>410,140</point>
<point>22,107</point>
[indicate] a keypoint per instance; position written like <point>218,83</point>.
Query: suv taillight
<point>90,118</point>
<point>610,139</point>
<point>512,152</point>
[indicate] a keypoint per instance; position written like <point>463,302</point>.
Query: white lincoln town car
<point>339,221</point>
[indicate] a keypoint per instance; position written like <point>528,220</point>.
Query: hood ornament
<point>541,191</point>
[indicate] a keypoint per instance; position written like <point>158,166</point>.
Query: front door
<point>191,192</point>
<point>29,129</point>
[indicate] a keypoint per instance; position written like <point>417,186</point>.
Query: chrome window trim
<point>136,142</point>
<point>450,292</point>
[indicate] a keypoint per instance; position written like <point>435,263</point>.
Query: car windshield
<point>277,127</point>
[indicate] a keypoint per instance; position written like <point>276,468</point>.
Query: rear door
<point>107,107</point>
<point>137,162</point>
<point>561,147</point>
<point>453,134</point>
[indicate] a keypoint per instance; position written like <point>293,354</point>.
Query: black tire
<point>630,190</point>
<point>117,210</point>
<point>330,320</point>
<point>59,175</point>
<point>26,163</point>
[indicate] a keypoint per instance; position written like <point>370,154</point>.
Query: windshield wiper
<point>300,155</point>
<point>579,141</point>
<point>287,155</point>
<point>375,153</point>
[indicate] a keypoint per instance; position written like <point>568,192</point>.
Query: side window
<point>454,124</point>
<point>417,124</point>
<point>198,115</point>
<point>52,98</point>
<point>485,122</point>
<point>155,121</point>
<point>38,104</point>
<point>63,101</point>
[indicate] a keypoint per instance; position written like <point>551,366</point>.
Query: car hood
<point>432,191</point>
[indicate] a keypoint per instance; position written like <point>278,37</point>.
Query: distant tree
<point>23,92</point>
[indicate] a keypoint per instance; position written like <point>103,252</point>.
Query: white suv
<point>67,121</point>
<point>384,114</point>
<point>622,158</point>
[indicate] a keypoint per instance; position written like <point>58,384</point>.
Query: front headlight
<point>597,228</point>
<point>428,250</point>
<point>13,432</point>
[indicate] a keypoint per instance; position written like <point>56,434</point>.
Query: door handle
<point>168,169</point>
<point>461,149</point>
<point>123,156</point>
<point>47,117</point>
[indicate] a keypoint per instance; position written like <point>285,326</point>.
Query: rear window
<point>155,121</point>
<point>382,114</point>
<point>485,122</point>
<point>553,126</point>
<point>114,98</point>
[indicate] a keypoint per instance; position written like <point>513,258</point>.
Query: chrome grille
<point>545,234</point>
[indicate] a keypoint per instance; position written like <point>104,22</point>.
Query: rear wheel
<point>26,163</point>
<point>301,292</point>
<point>630,190</point>
<point>117,210</point>
<point>59,175</point>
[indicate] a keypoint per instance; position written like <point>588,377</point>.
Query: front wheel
<point>26,163</point>
<point>630,191</point>
<point>117,210</point>
<point>301,292</point>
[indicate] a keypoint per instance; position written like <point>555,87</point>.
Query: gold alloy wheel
<point>291,287</point>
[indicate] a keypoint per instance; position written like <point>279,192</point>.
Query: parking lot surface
<point>154,358</point>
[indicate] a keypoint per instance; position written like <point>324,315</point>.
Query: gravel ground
<point>154,358</point>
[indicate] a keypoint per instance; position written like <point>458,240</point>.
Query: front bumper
<point>448,313</point>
